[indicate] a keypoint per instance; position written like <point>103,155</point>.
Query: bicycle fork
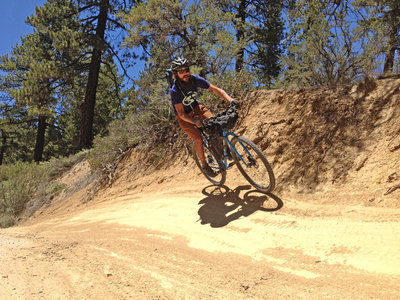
<point>227,143</point>
<point>226,140</point>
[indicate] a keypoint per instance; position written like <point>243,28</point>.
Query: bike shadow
<point>223,205</point>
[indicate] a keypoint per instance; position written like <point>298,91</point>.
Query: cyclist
<point>186,107</point>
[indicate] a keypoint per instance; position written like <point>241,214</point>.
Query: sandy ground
<point>174,238</point>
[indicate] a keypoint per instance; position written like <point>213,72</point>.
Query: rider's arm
<point>221,93</point>
<point>182,115</point>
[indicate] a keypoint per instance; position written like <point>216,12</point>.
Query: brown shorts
<point>200,112</point>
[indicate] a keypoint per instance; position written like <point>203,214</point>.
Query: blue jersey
<point>186,93</point>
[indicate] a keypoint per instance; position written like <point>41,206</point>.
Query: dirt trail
<point>331,229</point>
<point>195,241</point>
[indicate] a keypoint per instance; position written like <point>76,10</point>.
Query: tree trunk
<point>3,146</point>
<point>240,34</point>
<point>394,25</point>
<point>39,147</point>
<point>88,106</point>
<point>389,61</point>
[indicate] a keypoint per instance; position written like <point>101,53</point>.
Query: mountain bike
<point>248,158</point>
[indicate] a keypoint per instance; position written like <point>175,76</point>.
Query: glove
<point>198,124</point>
<point>234,103</point>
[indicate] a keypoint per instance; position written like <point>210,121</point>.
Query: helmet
<point>179,62</point>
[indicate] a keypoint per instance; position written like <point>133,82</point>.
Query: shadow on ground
<point>223,205</point>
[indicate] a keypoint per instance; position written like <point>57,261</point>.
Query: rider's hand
<point>198,124</point>
<point>234,103</point>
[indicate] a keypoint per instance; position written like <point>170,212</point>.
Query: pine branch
<point>15,122</point>
<point>118,24</point>
<point>115,54</point>
<point>113,78</point>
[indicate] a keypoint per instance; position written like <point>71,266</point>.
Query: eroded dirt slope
<point>330,230</point>
<point>329,136</point>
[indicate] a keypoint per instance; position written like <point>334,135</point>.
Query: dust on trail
<point>330,230</point>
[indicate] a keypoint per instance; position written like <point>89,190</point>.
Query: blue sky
<point>12,21</point>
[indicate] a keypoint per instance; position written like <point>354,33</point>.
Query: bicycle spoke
<point>253,164</point>
<point>220,178</point>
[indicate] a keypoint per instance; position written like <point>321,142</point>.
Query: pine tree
<point>88,106</point>
<point>47,73</point>
<point>102,13</point>
<point>321,47</point>
<point>197,30</point>
<point>379,29</point>
<point>259,31</point>
<point>17,127</point>
<point>268,35</point>
<point>33,93</point>
<point>42,64</point>
<point>90,48</point>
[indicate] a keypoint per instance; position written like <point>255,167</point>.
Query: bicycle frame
<point>226,141</point>
<point>249,159</point>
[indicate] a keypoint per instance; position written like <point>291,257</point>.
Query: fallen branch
<point>392,189</point>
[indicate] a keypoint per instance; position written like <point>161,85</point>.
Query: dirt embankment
<point>330,231</point>
<point>330,138</point>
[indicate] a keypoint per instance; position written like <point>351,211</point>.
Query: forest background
<point>67,86</point>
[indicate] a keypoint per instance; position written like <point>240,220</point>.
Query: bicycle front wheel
<point>216,166</point>
<point>253,165</point>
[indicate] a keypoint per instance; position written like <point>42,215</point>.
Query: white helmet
<point>179,62</point>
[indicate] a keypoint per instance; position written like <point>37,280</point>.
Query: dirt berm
<point>330,230</point>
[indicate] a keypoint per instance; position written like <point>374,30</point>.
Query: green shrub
<point>22,181</point>
<point>149,128</point>
<point>59,165</point>
<point>19,182</point>
<point>56,188</point>
<point>106,149</point>
<point>6,221</point>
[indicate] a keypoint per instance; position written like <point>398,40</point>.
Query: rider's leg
<point>198,145</point>
<point>202,113</point>
<point>195,135</point>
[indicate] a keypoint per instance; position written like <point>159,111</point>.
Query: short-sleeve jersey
<point>186,93</point>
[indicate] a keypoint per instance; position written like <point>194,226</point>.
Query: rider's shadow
<point>223,205</point>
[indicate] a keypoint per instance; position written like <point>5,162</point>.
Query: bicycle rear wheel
<point>253,165</point>
<point>220,178</point>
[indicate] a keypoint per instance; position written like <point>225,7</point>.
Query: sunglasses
<point>183,71</point>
